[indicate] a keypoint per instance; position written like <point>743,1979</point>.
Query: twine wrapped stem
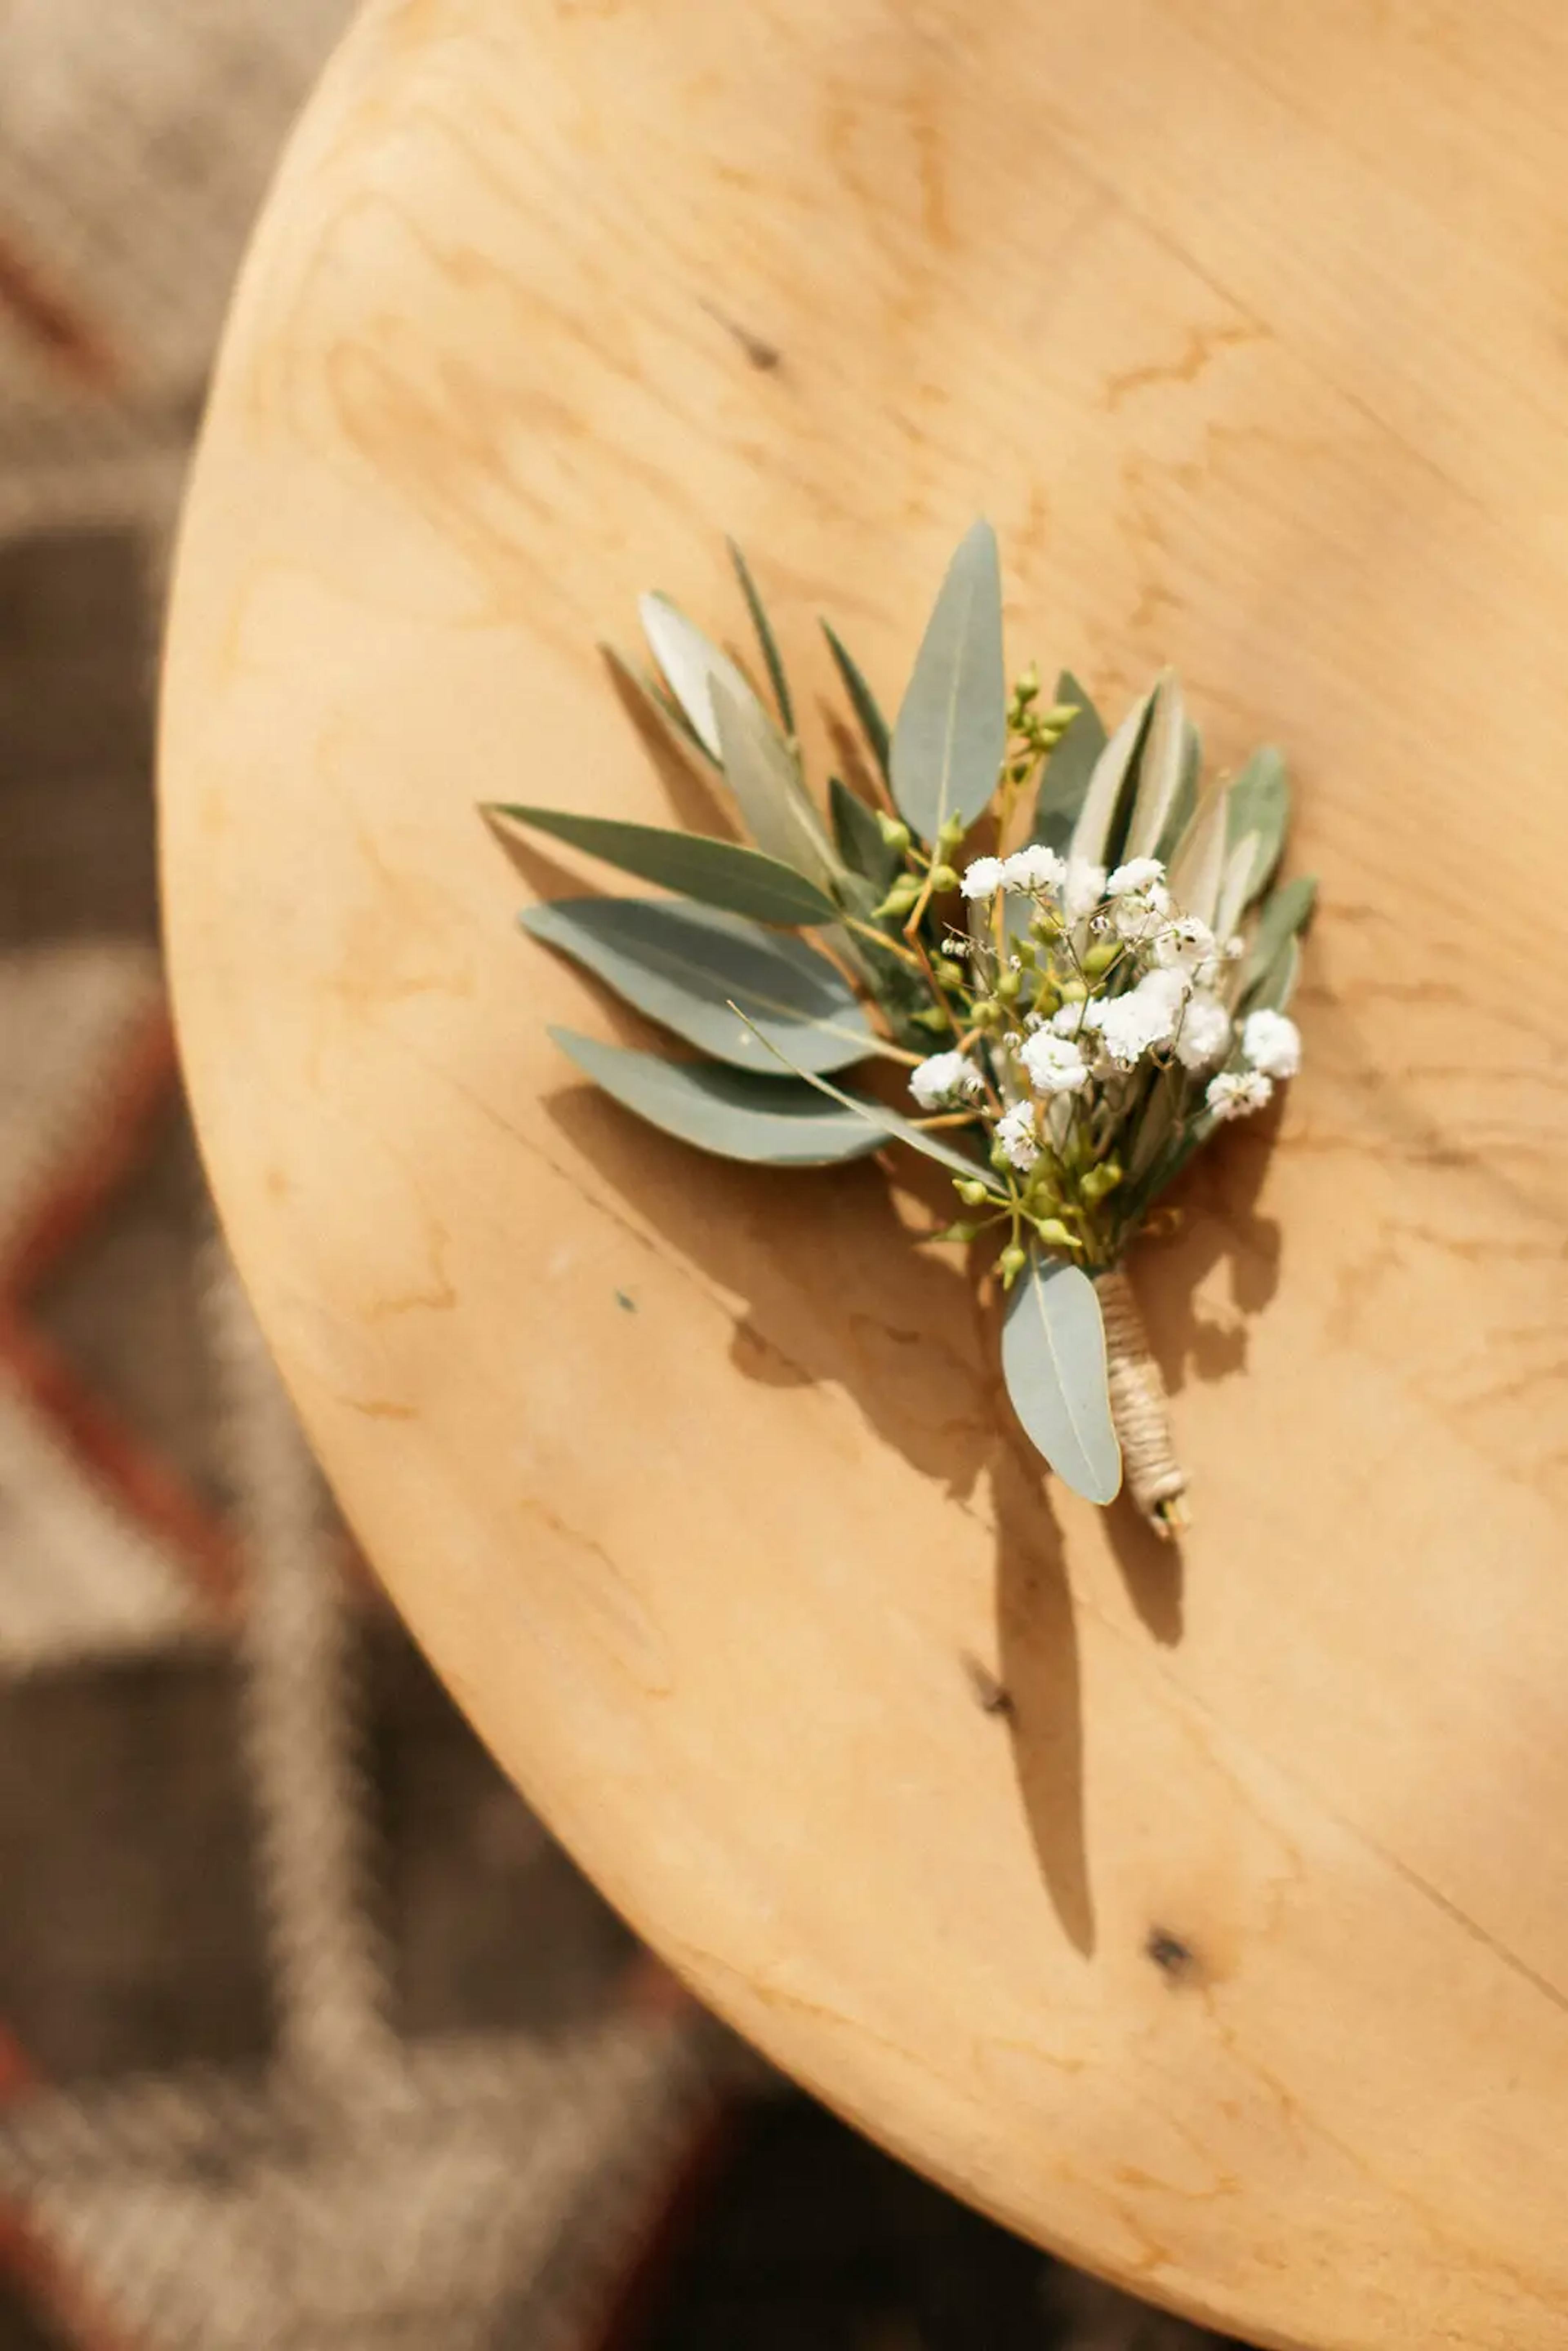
<point>1155,1480</point>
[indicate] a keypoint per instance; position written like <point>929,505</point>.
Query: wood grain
<point>1207,1920</point>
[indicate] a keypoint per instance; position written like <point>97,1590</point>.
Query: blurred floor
<point>310,2040</point>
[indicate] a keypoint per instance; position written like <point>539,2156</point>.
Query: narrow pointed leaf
<point>863,701</point>
<point>691,664</point>
<point>1197,868</point>
<point>892,1127</point>
<point>1240,859</point>
<point>1160,770</point>
<point>649,687</point>
<point>1277,985</point>
<point>717,872</point>
<point>768,789</point>
<point>1185,800</point>
<point>858,839</point>
<point>1100,820</point>
<point>1260,808</point>
<point>951,732</point>
<point>765,637</point>
<point>1064,784</point>
<point>1053,1360</point>
<point>695,971</point>
<point>1286,911</point>
<point>732,1112</point>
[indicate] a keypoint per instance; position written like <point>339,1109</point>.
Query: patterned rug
<point>310,2040</point>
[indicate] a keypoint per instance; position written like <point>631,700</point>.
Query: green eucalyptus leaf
<point>1053,1360</point>
<point>858,839</point>
<point>717,872</point>
<point>1240,859</point>
<point>894,1127</point>
<point>1160,771</point>
<point>1197,868</point>
<point>1185,800</point>
<point>649,687</point>
<point>691,664</point>
<point>951,733</point>
<point>765,637</point>
<point>1259,800</point>
<point>1098,831</point>
<point>773,802</point>
<point>863,701</point>
<point>1064,781</point>
<point>693,969</point>
<point>1278,983</point>
<point>1286,911</point>
<point>733,1113</point>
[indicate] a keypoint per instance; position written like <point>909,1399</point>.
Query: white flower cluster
<point>1146,980</point>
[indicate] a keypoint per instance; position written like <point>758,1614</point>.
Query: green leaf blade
<point>1160,770</point>
<point>859,837</point>
<point>1286,912</point>
<point>950,736</point>
<point>691,664</point>
<point>762,773</point>
<point>733,1114</point>
<point>1053,1361</point>
<point>1259,805</point>
<point>1097,833</point>
<point>862,701</point>
<point>1064,784</point>
<point>716,873</point>
<point>772,657</point>
<point>718,981</point>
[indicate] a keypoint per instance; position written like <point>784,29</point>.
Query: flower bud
<point>1059,717</point>
<point>902,895</point>
<point>943,877</point>
<point>1054,1233</point>
<point>970,1190</point>
<point>1011,1262</point>
<point>896,835</point>
<point>1028,685</point>
<point>933,1018</point>
<point>948,973</point>
<point>951,834</point>
<point>1101,957</point>
<point>1073,991</point>
<point>1008,983</point>
<point>1100,1180</point>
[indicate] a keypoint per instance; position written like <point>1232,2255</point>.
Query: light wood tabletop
<point>1227,1952</point>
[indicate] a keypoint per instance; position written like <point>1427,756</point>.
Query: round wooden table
<point>1206,1919</point>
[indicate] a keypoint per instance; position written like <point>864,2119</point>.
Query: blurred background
<point>310,2039</point>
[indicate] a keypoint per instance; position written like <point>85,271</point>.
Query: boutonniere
<point>1077,952</point>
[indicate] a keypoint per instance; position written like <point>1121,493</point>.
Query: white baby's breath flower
<point>1082,887</point>
<point>1072,1020</point>
<point>1272,1044</point>
<point>1204,1032</point>
<point>1138,874</point>
<point>1137,914</point>
<point>1235,947</point>
<point>1237,1093</point>
<point>1185,943</point>
<point>1055,1064</point>
<point>1032,869</point>
<point>983,877</point>
<point>943,1079</point>
<point>1146,1016</point>
<point>1016,1133</point>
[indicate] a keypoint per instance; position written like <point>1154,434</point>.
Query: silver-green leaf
<point>892,1127</point>
<point>1064,784</point>
<point>1286,911</point>
<point>1095,833</point>
<point>696,971</point>
<point>858,838</point>
<point>1053,1360</point>
<point>863,701</point>
<point>951,733</point>
<point>771,655</point>
<point>1197,868</point>
<point>717,872</point>
<point>1259,802</point>
<point>1160,770</point>
<point>691,664</point>
<point>762,773</point>
<point>734,1113</point>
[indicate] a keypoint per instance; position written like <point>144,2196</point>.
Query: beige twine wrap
<point>1138,1407</point>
